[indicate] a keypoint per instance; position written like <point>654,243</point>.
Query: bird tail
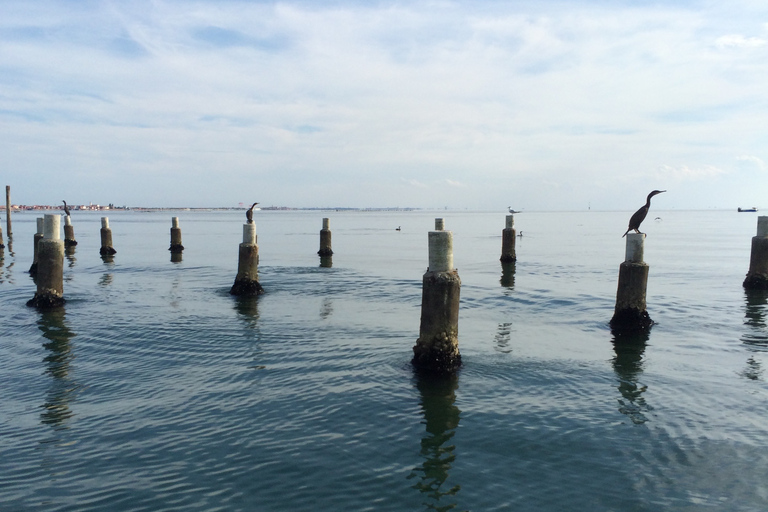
<point>625,233</point>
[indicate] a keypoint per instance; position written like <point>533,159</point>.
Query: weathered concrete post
<point>508,241</point>
<point>757,277</point>
<point>437,349</point>
<point>630,313</point>
<point>325,239</point>
<point>50,270</point>
<point>247,280</point>
<point>106,238</point>
<point>8,210</point>
<point>69,232</point>
<point>38,237</point>
<point>175,236</point>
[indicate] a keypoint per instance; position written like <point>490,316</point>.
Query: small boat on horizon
<point>753,209</point>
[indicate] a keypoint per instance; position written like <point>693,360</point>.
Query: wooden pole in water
<point>175,236</point>
<point>630,312</point>
<point>37,238</point>
<point>508,241</point>
<point>50,269</point>
<point>69,232</point>
<point>325,239</point>
<point>247,280</point>
<point>8,211</point>
<point>2,245</point>
<point>106,238</point>
<point>437,349</point>
<point>757,277</point>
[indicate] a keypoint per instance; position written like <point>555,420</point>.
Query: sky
<point>538,105</point>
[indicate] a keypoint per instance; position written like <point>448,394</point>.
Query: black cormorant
<point>249,213</point>
<point>66,208</point>
<point>639,215</point>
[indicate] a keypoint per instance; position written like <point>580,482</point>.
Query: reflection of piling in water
<point>62,389</point>
<point>628,365</point>
<point>247,280</point>
<point>50,268</point>
<point>8,211</point>
<point>325,239</point>
<point>508,241</point>
<point>106,238</point>
<point>69,232</point>
<point>757,277</point>
<point>2,244</point>
<point>176,246</point>
<point>437,349</point>
<point>630,312</point>
<point>508,274</point>
<point>38,237</point>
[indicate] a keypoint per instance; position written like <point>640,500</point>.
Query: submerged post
<point>325,239</point>
<point>508,241</point>
<point>437,349</point>
<point>106,238</point>
<point>38,237</point>
<point>69,232</point>
<point>630,312</point>
<point>50,269</point>
<point>247,280</point>
<point>8,210</point>
<point>757,277</point>
<point>175,236</point>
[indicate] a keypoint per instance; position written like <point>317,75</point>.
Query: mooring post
<point>247,280</point>
<point>37,238</point>
<point>757,277</point>
<point>437,349</point>
<point>630,312</point>
<point>508,241</point>
<point>325,239</point>
<point>106,238</point>
<point>69,232</point>
<point>175,236</point>
<point>50,268</point>
<point>8,211</point>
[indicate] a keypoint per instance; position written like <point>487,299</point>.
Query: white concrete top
<point>52,226</point>
<point>762,226</point>
<point>174,222</point>
<point>326,223</point>
<point>510,221</point>
<point>440,251</point>
<point>105,222</point>
<point>40,225</point>
<point>249,233</point>
<point>635,247</point>
<point>439,224</point>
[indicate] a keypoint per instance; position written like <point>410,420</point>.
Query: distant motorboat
<point>753,209</point>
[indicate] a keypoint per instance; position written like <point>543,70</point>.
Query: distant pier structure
<point>630,312</point>
<point>757,276</point>
<point>437,348</point>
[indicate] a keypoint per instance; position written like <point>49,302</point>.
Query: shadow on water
<point>441,416</point>
<point>58,360</point>
<point>628,366</point>
<point>508,274</point>
<point>756,336</point>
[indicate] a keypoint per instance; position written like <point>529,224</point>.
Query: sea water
<point>154,389</point>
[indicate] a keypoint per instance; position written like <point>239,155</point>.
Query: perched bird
<point>66,208</point>
<point>397,228</point>
<point>249,213</point>
<point>639,215</point>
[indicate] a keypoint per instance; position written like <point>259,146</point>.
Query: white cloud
<point>739,41</point>
<point>686,173</point>
<point>752,160</point>
<point>454,183</point>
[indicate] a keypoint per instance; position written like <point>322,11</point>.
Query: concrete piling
<point>50,270</point>
<point>106,238</point>
<point>437,348</point>
<point>508,241</point>
<point>69,232</point>
<point>757,277</point>
<point>247,280</point>
<point>630,312</point>
<point>176,246</point>
<point>38,237</point>
<point>325,239</point>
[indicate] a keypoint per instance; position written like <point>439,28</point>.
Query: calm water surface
<point>154,389</point>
